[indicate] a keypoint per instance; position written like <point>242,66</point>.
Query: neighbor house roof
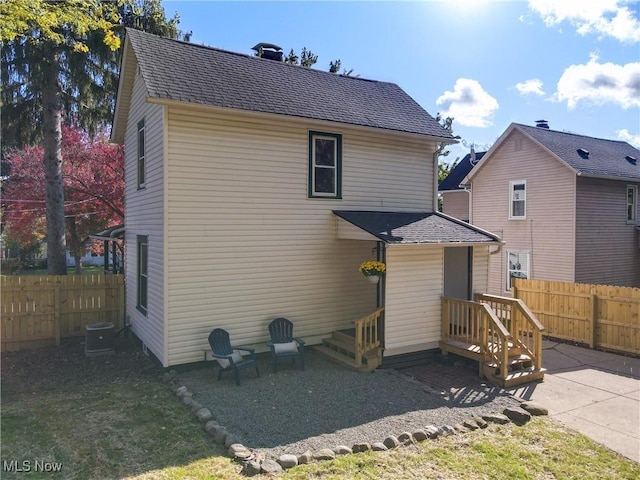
<point>179,71</point>
<point>416,227</point>
<point>461,170</point>
<point>585,156</point>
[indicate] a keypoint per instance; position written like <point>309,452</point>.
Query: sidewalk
<point>596,393</point>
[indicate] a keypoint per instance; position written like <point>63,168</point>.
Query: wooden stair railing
<point>500,333</point>
<point>524,327</point>
<point>367,335</point>
<point>473,330</point>
<point>358,348</point>
<point>495,343</point>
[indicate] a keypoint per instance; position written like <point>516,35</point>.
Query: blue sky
<point>574,63</point>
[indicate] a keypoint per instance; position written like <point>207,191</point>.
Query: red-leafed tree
<point>93,190</point>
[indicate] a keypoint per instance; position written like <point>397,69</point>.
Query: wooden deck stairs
<point>501,333</point>
<point>358,348</point>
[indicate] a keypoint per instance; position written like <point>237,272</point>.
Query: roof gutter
<point>608,177</point>
<point>494,243</point>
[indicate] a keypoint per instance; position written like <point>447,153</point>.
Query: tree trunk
<point>52,144</point>
<point>75,244</point>
<point>78,260</point>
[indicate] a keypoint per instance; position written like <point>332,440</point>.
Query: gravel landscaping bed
<point>326,405</point>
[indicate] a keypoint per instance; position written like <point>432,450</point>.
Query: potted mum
<point>373,270</point>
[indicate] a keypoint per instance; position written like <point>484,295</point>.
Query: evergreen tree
<point>59,63</point>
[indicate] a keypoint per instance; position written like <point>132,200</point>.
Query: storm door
<point>457,272</point>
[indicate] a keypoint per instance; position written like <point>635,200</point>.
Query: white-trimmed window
<point>632,203</point>
<point>141,155</point>
<point>517,266</point>
<point>142,273</point>
<point>518,199</point>
<point>325,165</point>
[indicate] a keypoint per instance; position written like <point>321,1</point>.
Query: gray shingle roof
<point>175,70</point>
<point>421,227</point>
<point>606,157</point>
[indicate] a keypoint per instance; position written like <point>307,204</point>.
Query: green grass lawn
<point>112,417</point>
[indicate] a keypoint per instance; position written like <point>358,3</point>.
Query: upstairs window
<point>141,155</point>
<point>632,203</point>
<point>517,266</point>
<point>517,199</point>
<point>325,165</point>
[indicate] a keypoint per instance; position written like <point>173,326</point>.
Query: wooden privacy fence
<point>601,316</point>
<point>38,311</point>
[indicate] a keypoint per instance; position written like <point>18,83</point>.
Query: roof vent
<point>583,153</point>
<point>542,124</point>
<point>268,50</point>
<point>631,160</point>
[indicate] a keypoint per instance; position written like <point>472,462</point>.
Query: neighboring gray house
<point>456,200</point>
<point>255,189</point>
<point>565,205</point>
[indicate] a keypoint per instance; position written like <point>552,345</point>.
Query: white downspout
<point>467,189</point>
<point>436,154</point>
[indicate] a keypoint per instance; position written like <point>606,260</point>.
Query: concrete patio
<point>596,393</point>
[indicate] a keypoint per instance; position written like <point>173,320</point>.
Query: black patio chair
<point>230,358</point>
<point>283,344</point>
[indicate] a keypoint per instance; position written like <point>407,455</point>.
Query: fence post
<point>594,321</point>
<point>56,311</point>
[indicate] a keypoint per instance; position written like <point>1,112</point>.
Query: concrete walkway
<point>593,392</point>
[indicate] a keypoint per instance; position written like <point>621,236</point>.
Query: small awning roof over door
<point>410,228</point>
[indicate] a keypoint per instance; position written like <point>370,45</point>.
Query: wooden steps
<point>341,348</point>
<point>341,359</point>
<point>515,376</point>
<point>520,365</point>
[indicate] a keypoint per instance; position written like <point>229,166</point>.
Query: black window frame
<point>314,168</point>
<point>142,273</point>
<point>632,204</point>
<point>141,155</point>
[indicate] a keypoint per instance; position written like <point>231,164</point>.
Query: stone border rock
<point>254,463</point>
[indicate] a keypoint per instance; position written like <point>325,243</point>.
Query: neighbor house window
<point>143,272</point>
<point>141,155</point>
<point>325,165</point>
<point>517,266</point>
<point>517,199</point>
<point>632,203</point>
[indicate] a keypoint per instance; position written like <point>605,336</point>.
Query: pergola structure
<point>111,237</point>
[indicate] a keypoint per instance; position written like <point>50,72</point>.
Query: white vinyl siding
<point>246,244</point>
<point>145,217</point>
<point>480,271</point>
<point>606,244</point>
<point>414,287</point>
<point>548,232</point>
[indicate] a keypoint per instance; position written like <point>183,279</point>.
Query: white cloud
<point>606,18</point>
<point>600,83</point>
<point>468,103</point>
<point>628,137</point>
<point>530,86</point>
